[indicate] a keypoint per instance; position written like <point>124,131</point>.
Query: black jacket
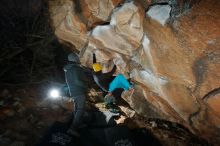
<point>75,79</point>
<point>103,79</point>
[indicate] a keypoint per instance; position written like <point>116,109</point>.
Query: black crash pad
<point>56,136</point>
<point>143,137</point>
<point>101,131</point>
<point>110,136</point>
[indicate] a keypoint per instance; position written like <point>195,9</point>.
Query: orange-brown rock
<point>187,54</point>
<point>175,65</point>
<point>202,38</point>
<point>213,102</point>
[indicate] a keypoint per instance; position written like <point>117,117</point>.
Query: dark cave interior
<point>30,52</point>
<point>31,61</point>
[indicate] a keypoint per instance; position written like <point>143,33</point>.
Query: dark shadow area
<point>95,136</point>
<point>29,51</point>
<point>180,131</point>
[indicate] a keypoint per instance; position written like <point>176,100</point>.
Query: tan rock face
<point>67,25</point>
<point>125,31</point>
<point>175,66</point>
<point>128,21</point>
<point>98,11</point>
<point>109,39</point>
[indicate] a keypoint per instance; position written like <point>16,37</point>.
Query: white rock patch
<point>160,13</point>
<point>151,79</point>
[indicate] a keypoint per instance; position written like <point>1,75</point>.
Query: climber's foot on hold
<point>114,110</point>
<point>131,90</point>
<point>128,93</point>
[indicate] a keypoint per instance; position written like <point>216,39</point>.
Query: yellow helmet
<point>97,67</point>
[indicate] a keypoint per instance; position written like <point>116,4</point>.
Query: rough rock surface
<point>97,11</point>
<point>175,66</point>
<point>67,23</point>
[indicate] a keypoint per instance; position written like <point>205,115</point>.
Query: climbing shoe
<point>113,110</point>
<point>108,99</point>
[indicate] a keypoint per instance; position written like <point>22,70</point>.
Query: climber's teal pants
<point>119,82</point>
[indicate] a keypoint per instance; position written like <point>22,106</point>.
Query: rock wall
<point>171,51</point>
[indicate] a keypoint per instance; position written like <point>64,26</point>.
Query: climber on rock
<point>108,82</point>
<point>77,85</point>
